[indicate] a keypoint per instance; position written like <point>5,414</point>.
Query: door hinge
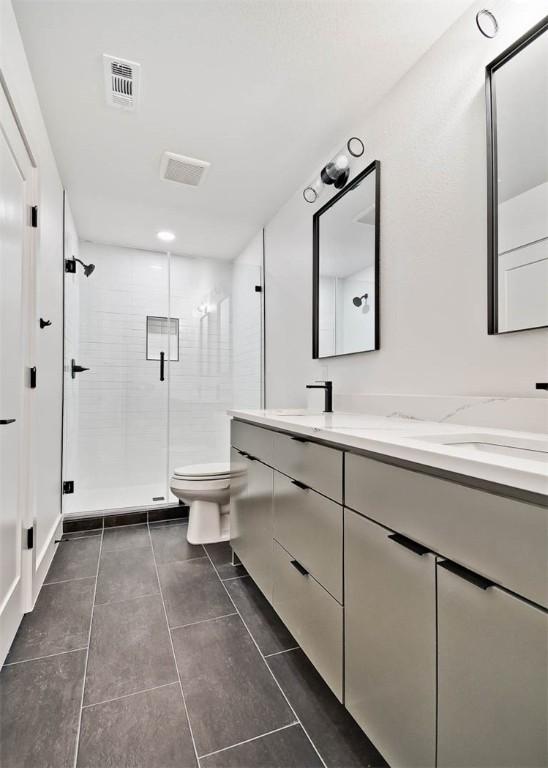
<point>68,486</point>
<point>32,377</point>
<point>34,216</point>
<point>258,289</point>
<point>30,537</point>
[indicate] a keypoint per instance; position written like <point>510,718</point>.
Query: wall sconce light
<point>487,23</point>
<point>337,170</point>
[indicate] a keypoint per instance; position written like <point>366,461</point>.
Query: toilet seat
<point>213,471</point>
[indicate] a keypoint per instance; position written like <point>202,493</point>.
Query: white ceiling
<point>262,89</point>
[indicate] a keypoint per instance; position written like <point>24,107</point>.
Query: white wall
<point>47,403</point>
<point>429,134</point>
<point>247,326</point>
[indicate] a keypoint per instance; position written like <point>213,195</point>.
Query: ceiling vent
<point>182,170</point>
<point>122,81</point>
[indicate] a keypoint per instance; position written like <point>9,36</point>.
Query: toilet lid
<point>204,471</point>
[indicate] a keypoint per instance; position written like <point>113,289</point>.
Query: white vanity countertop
<point>416,441</point>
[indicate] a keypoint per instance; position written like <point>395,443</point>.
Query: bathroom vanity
<point>410,562</point>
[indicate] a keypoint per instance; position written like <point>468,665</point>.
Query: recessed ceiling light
<point>167,237</point>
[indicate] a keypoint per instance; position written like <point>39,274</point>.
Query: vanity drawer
<point>503,539</point>
<point>313,617</point>
<point>310,527</point>
<point>256,441</point>
<point>316,466</point>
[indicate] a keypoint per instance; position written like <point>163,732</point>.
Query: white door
<point>15,190</point>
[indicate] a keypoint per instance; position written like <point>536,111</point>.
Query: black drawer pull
<point>299,567</point>
<point>300,439</point>
<point>464,573</point>
<point>300,485</point>
<point>413,546</point>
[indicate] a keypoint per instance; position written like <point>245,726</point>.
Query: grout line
<point>267,666</point>
<point>65,581</point>
<point>287,650</point>
<point>202,621</point>
<point>173,648</point>
<point>253,738</point>
<point>127,695</point>
<point>128,599</point>
<point>47,656</point>
<point>77,742</point>
<point>233,578</point>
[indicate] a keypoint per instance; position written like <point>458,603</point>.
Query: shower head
<point>70,266</point>
<point>357,300</point>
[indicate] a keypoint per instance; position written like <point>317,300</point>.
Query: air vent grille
<point>122,80</point>
<point>183,170</point>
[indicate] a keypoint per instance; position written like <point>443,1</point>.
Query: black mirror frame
<point>375,166</point>
<point>492,187</point>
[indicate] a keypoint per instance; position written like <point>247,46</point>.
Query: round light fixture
<point>487,23</point>
<point>167,237</point>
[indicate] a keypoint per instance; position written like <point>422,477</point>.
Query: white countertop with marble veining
<point>515,459</point>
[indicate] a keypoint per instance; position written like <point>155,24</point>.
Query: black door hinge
<point>32,377</point>
<point>30,537</point>
<point>258,289</point>
<point>34,216</point>
<point>68,486</point>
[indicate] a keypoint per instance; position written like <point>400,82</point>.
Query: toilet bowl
<point>206,488</point>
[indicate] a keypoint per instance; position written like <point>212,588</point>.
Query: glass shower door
<point>119,334</point>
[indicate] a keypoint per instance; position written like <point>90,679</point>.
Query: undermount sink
<point>535,449</point>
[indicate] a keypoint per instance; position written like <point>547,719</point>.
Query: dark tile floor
<point>146,651</point>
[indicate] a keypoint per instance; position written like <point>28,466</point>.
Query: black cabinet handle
<point>300,439</point>
<point>464,573</point>
<point>7,421</point>
<point>409,544</point>
<point>44,323</point>
<point>299,567</point>
<point>162,358</point>
<point>300,485</point>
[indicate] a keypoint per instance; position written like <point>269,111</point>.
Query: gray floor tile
<point>229,692</point>
<point>170,543</point>
<point>289,748</point>
<point>192,592</point>
<point>221,556</point>
<point>75,559</point>
<point>125,537</point>
<point>146,730</point>
<point>40,706</point>
<point>129,649</point>
<point>337,737</point>
<point>261,619</point>
<point>124,574</point>
<point>59,622</point>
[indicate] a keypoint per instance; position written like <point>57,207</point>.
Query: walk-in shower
<point>162,342</point>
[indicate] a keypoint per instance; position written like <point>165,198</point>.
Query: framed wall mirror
<point>517,152</point>
<point>346,250</point>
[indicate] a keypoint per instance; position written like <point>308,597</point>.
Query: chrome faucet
<point>327,386</point>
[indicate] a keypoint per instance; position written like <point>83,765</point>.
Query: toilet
<point>206,488</point>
